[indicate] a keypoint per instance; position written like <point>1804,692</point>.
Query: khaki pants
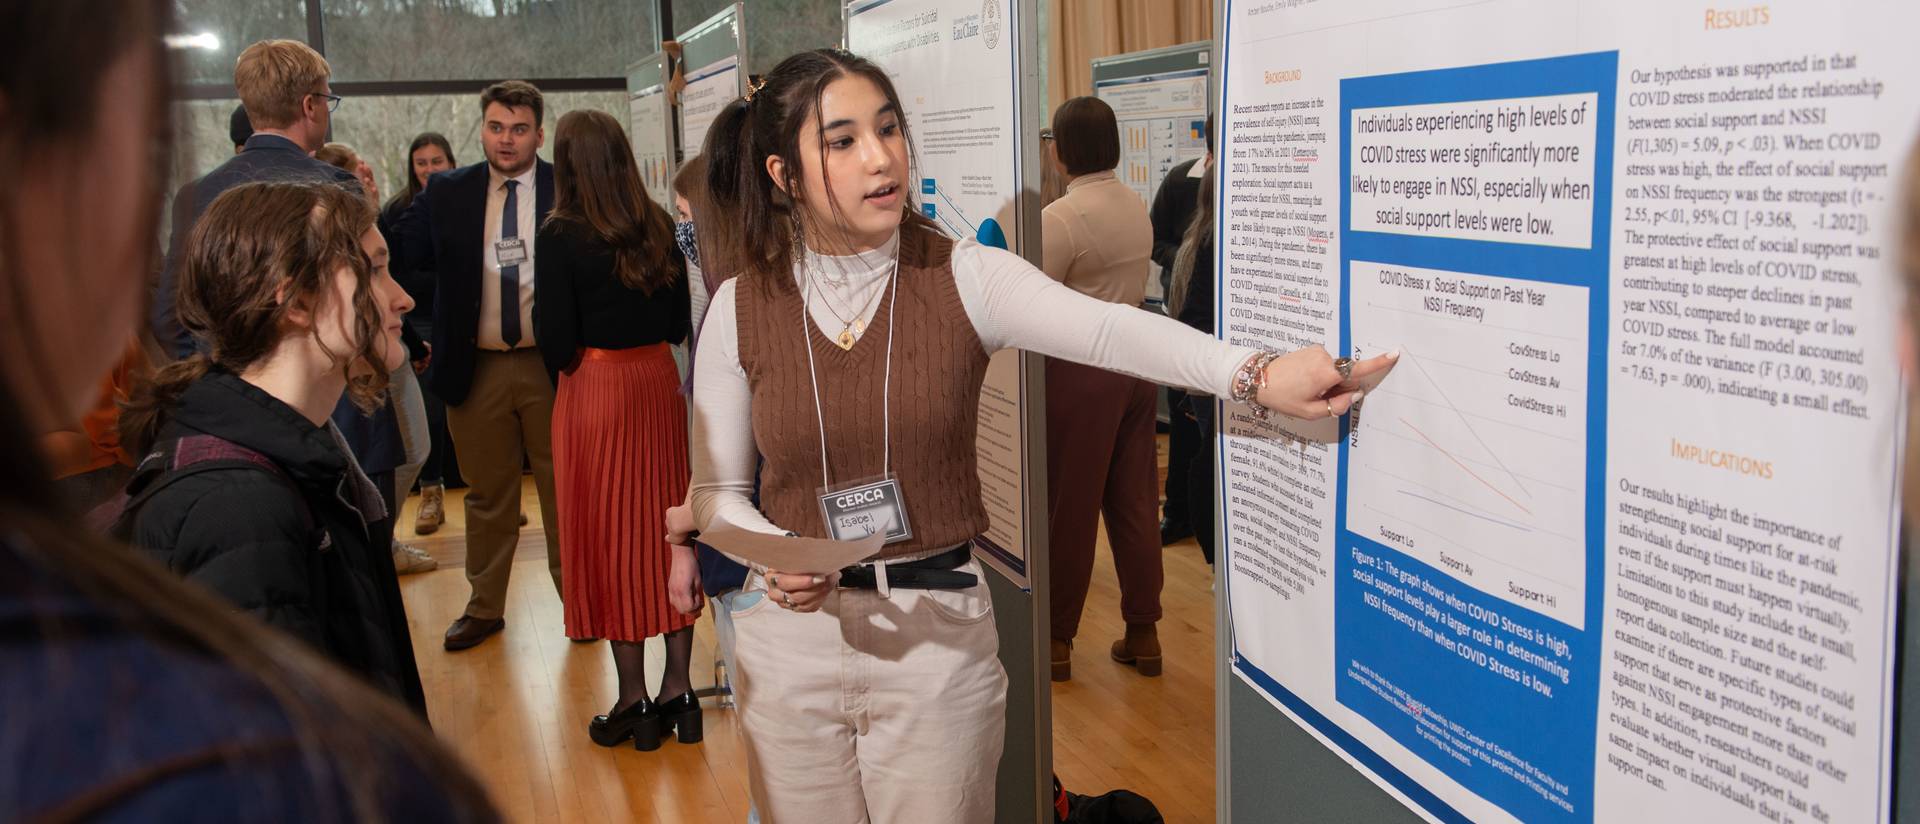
<point>507,418</point>
<point>889,710</point>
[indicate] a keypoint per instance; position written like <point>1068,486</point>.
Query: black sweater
<point>1172,210</point>
<point>579,303</point>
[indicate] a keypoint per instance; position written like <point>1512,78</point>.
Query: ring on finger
<point>1345,366</point>
<point>1330,409</point>
<point>787,598</point>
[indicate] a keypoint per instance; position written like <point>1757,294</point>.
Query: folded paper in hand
<point>786,554</point>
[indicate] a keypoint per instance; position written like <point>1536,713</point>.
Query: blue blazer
<point>439,237</point>
<point>374,438</point>
<point>264,159</point>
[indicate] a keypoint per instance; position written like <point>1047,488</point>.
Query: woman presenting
<point>848,355</point>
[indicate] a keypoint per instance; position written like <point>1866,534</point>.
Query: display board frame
<point>1152,142</point>
<point>1006,547</point>
<point>1017,575</point>
<point>710,49</point>
<point>647,80</point>
<point>1334,768</point>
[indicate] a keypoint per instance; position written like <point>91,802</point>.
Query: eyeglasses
<point>333,100</point>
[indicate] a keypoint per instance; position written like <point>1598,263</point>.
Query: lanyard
<point>886,386</point>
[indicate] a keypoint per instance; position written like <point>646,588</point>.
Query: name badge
<point>510,251</point>
<point>859,509</point>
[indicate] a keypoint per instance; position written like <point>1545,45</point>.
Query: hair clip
<point>754,87</point>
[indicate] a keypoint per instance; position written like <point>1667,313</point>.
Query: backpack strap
<point>181,458</point>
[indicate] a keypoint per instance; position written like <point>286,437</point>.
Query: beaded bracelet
<point>1249,379</point>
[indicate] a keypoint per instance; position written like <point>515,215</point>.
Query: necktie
<point>510,275</point>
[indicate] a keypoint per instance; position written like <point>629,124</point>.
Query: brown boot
<point>1062,659</point>
<point>433,510</point>
<point>1140,649</point>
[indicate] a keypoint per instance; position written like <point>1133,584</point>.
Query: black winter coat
<point>306,568</point>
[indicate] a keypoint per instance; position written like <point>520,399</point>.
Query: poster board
<point>968,146</point>
<point>1160,98</point>
<point>1619,534</point>
<point>714,53</point>
<point>650,126</point>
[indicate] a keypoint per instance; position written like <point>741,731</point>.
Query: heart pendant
<point>846,339</point>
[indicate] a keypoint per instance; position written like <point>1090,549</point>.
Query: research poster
<point>709,88</point>
<point>1160,99</point>
<point>651,126</point>
<point>714,73</point>
<point>1616,540</point>
<point>952,63</point>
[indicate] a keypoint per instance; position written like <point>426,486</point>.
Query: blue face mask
<point>683,235</point>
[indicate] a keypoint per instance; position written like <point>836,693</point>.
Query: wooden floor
<point>517,706</point>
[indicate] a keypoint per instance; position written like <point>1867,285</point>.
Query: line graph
<point>1471,457</point>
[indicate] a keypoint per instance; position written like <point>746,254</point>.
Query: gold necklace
<point>850,330</point>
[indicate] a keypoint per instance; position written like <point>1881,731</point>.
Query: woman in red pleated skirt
<point>610,295</point>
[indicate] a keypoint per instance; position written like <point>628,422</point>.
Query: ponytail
<point>752,225</point>
<point>145,412</point>
<point>756,223</point>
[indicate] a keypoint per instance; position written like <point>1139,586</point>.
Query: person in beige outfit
<point>1098,240</point>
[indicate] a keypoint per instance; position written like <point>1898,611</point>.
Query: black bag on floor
<point>1116,807</point>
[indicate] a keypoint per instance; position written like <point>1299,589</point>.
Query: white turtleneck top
<point>1011,304</point>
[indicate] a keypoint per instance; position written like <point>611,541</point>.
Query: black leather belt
<point>937,572</point>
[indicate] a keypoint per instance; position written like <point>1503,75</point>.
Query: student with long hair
<point>1190,301</point>
<point>610,297</point>
<point>129,694</point>
<point>850,350</point>
<point>428,155</point>
<point>287,284</point>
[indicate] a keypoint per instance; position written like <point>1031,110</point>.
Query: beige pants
<point>890,710</point>
<point>506,418</point>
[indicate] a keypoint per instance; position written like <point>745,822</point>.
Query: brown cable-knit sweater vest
<point>938,366</point>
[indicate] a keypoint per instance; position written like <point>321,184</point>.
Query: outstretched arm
<point>1014,305</point>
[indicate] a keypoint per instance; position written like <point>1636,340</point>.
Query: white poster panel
<point>952,62</point>
<point>1162,123</point>
<point>1160,100</point>
<point>649,125</point>
<point>709,89</point>
<point>1617,536</point>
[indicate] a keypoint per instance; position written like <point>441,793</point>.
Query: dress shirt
<point>489,334</point>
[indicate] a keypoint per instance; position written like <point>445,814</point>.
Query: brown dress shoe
<point>1062,655</point>
<point>468,631</point>
<point>1140,649</point>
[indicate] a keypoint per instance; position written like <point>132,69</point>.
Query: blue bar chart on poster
<point>1618,533</point>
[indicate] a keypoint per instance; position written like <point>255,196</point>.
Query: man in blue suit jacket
<point>474,228</point>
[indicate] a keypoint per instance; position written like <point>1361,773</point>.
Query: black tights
<point>630,664</point>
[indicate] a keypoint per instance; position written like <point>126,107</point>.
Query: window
<point>399,40</point>
<point>220,29</point>
<point>379,128</point>
<point>775,28</point>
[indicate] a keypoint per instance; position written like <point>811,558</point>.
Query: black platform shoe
<point>681,714</point>
<point>639,721</point>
